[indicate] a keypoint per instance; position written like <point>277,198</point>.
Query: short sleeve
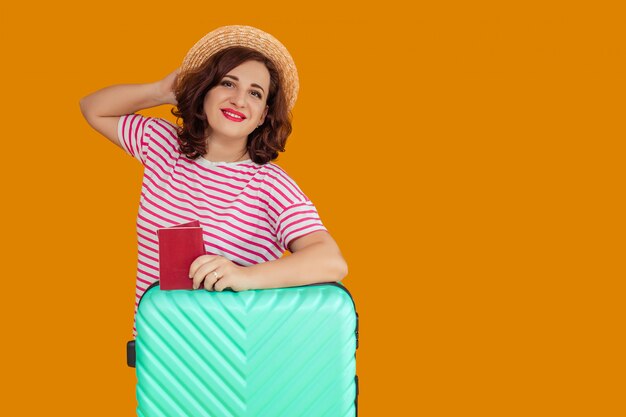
<point>134,134</point>
<point>297,220</point>
<point>294,214</point>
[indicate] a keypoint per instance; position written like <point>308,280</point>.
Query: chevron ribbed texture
<point>286,352</point>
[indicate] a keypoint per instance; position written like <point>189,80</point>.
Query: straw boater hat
<point>251,37</point>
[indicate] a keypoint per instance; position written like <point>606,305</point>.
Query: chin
<point>231,134</point>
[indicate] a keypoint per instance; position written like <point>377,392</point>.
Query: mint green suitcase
<point>285,352</point>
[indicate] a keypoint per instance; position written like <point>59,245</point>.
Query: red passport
<point>179,246</point>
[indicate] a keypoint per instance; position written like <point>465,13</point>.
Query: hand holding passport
<point>179,246</point>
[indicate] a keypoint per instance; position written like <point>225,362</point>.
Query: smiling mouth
<point>232,116</point>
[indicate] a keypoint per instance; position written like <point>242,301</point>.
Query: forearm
<point>121,99</point>
<point>313,264</point>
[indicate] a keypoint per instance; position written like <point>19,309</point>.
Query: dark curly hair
<point>265,142</point>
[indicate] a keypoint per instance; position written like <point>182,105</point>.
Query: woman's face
<point>237,104</point>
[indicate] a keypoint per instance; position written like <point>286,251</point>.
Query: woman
<point>234,92</point>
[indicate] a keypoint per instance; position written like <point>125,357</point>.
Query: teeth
<point>233,115</point>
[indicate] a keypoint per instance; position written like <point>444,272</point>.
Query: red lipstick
<point>233,115</point>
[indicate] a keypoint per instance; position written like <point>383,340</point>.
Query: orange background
<point>467,157</point>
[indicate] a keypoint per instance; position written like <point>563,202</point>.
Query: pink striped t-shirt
<point>249,212</point>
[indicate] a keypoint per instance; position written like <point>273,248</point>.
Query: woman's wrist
<point>164,88</point>
<point>161,95</point>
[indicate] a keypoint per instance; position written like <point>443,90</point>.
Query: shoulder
<point>163,137</point>
<point>276,175</point>
<point>162,125</point>
<point>276,171</point>
<point>137,124</point>
<point>281,185</point>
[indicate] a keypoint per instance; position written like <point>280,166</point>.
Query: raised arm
<point>103,108</point>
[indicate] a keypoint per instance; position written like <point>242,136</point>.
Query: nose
<point>239,98</point>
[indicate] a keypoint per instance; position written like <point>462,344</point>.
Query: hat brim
<point>250,37</point>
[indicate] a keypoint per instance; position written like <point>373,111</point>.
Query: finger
<point>210,280</point>
<point>209,265</point>
<point>202,275</point>
<point>197,281</point>
<point>198,262</point>
<point>221,284</point>
<point>217,275</point>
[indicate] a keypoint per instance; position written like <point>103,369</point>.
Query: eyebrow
<point>237,79</point>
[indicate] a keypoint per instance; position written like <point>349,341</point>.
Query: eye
<point>229,83</point>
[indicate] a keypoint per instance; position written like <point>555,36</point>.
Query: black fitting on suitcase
<point>356,332</point>
<point>130,353</point>
<point>356,397</point>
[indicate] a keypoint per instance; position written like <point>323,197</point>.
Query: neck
<point>226,150</point>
